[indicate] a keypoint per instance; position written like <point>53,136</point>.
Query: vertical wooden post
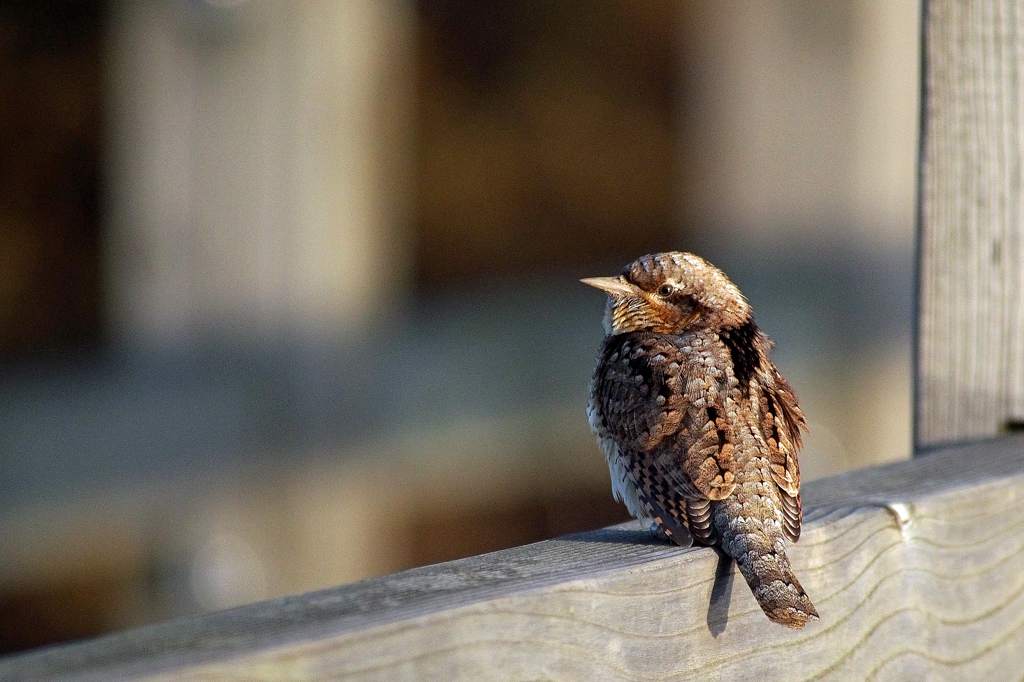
<point>970,342</point>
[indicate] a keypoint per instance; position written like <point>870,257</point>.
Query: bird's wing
<point>782,423</point>
<point>655,404</point>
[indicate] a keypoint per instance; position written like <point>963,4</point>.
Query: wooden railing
<point>914,567</point>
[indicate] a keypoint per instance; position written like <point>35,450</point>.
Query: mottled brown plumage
<point>700,429</point>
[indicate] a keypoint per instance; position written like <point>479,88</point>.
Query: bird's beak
<point>614,286</point>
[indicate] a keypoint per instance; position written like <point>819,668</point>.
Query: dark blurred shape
<point>55,613</point>
<point>545,135</point>
<point>442,534</point>
<point>50,61</point>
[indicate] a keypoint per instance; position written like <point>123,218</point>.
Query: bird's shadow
<point>721,591</point>
<point>721,595</point>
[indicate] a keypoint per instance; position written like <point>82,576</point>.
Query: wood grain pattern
<point>970,362</point>
<point>915,568</point>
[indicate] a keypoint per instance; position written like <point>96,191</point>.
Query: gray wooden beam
<point>970,346</point>
<point>914,568</point>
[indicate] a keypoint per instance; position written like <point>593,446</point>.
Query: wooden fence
<point>914,566</point>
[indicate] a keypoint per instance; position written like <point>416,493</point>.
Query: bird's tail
<point>759,549</point>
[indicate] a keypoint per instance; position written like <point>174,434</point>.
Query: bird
<point>700,428</point>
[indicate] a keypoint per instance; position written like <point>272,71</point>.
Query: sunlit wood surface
<point>914,567</point>
<point>971,298</point>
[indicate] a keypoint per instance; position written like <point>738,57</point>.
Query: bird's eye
<point>665,290</point>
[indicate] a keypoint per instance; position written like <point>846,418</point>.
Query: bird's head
<point>669,293</point>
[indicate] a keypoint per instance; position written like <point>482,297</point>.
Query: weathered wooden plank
<point>970,362</point>
<point>914,568</point>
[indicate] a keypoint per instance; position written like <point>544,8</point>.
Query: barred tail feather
<point>759,550</point>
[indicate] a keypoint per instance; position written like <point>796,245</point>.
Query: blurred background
<point>288,291</point>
